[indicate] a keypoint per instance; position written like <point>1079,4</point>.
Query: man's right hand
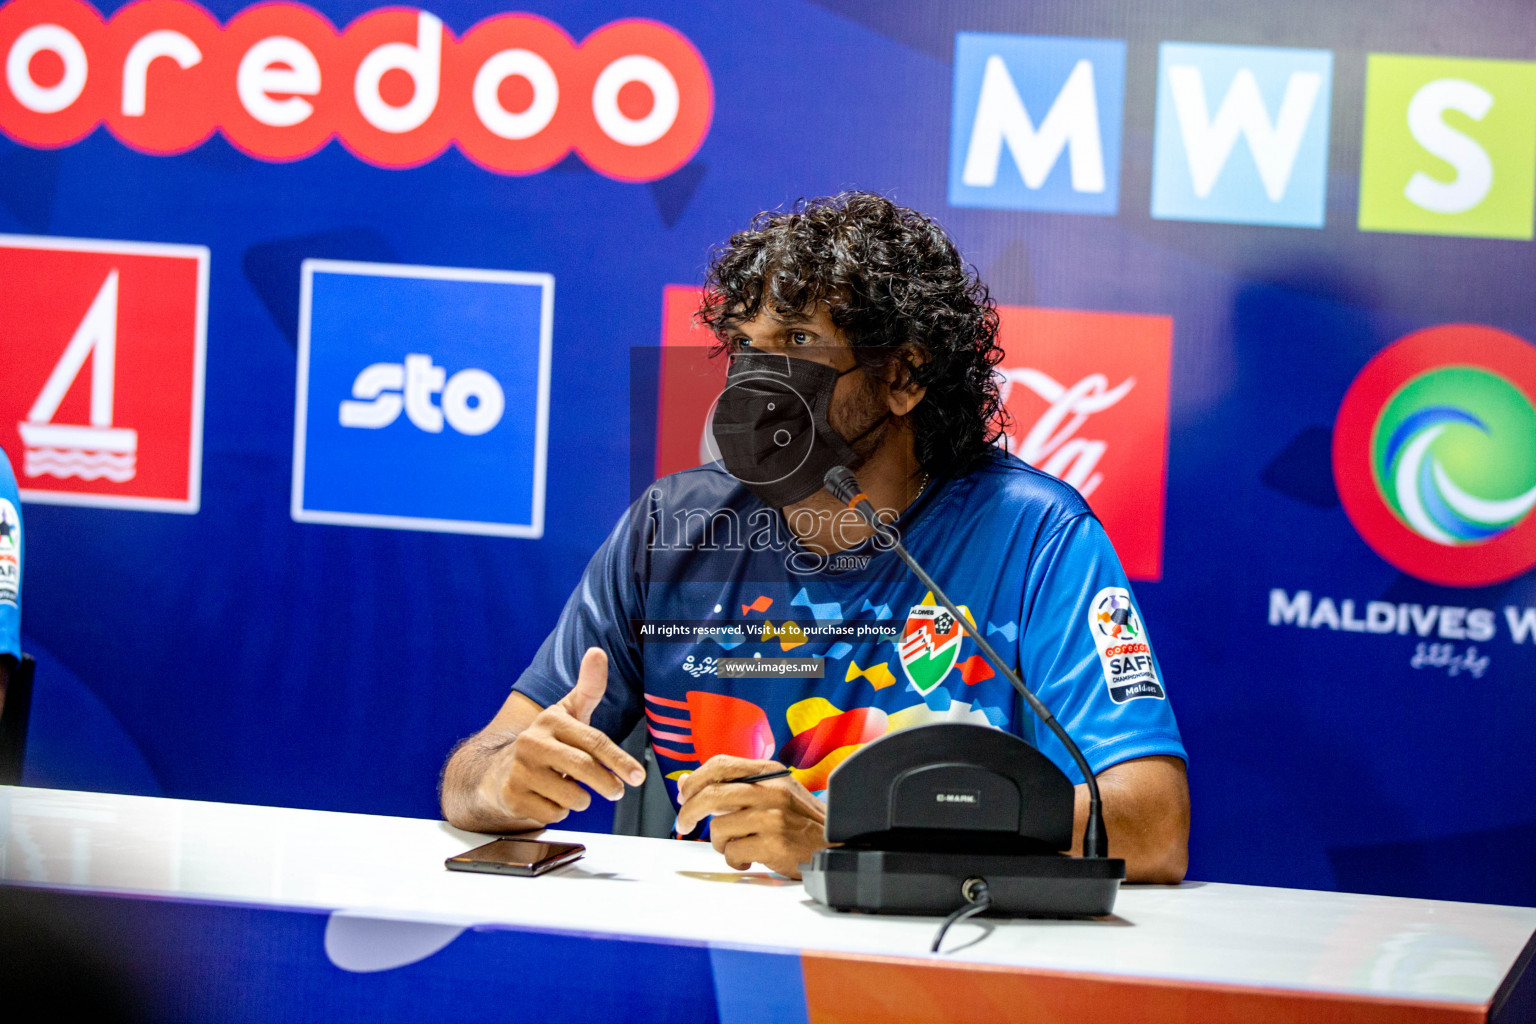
<point>545,773</point>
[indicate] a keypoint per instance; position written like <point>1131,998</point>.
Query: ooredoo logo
<point>1434,454</point>
<point>516,93</point>
<point>103,354</point>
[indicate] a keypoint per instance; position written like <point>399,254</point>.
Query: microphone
<point>844,486</point>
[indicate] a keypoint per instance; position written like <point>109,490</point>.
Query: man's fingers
<point>733,825</point>
<point>607,753</point>
<point>591,684</point>
<point>712,801</point>
<point>524,803</point>
<point>762,848</point>
<point>559,790</point>
<point>583,767</point>
<point>723,767</point>
<point>724,798</point>
<point>741,853</point>
<point>734,856</point>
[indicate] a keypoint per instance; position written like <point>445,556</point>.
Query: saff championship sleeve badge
<point>1121,640</point>
<point>10,553</point>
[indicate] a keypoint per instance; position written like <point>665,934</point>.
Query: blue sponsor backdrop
<point>238,655</point>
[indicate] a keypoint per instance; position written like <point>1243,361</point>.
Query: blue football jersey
<point>1016,549</point>
<point>10,561</point>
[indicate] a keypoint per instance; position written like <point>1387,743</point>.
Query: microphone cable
<point>978,900</point>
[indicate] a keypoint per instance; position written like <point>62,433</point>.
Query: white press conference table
<point>1197,951</point>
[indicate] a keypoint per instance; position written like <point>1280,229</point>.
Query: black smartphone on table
<point>525,857</point>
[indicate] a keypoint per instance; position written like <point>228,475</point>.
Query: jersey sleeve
<point>601,612</point>
<point>1084,652</point>
<point>11,553</point>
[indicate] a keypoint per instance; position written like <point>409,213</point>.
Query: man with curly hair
<point>856,336</point>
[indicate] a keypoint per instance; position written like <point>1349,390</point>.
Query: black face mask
<point>772,430</point>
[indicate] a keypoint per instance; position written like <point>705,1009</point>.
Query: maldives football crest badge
<point>930,643</point>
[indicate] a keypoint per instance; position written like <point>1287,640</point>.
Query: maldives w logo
<point>1435,454</point>
<point>103,356</point>
<point>1457,416</point>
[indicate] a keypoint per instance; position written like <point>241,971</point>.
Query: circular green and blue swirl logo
<point>1434,454</point>
<point>1455,455</point>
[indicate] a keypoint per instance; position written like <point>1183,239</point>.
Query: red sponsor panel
<point>634,99</point>
<point>690,382</point>
<point>1088,397</point>
<point>103,356</point>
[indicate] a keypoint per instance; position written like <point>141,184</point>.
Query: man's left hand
<point>776,823</point>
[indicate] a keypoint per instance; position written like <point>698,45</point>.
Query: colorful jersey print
<point>10,562</point>
<point>1018,551</point>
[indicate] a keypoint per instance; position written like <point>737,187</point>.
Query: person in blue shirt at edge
<point>10,576</point>
<point>864,316</point>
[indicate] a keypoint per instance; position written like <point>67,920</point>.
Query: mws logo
<point>515,92</point>
<point>1434,455</point>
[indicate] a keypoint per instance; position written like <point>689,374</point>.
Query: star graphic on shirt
<point>5,528</point>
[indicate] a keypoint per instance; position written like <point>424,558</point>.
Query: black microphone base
<point>909,882</point>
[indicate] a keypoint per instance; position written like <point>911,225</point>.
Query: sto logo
<point>472,400</point>
<point>469,454</point>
